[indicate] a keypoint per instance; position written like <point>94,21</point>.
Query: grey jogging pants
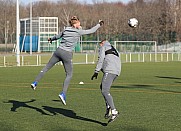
<point>66,58</point>
<point>105,86</point>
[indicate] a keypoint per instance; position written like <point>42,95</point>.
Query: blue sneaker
<point>33,85</point>
<point>62,97</point>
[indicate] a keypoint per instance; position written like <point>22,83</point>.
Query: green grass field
<point>147,95</point>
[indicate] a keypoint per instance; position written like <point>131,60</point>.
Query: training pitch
<point>147,95</point>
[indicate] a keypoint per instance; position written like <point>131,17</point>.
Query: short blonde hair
<point>73,20</point>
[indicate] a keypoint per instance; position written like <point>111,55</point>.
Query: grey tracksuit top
<point>70,36</point>
<point>108,63</point>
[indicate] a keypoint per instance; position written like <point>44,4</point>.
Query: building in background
<point>42,29</point>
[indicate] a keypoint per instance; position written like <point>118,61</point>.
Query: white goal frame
<point>115,43</point>
<point>155,43</point>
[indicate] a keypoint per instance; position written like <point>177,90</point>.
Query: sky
<point>87,1</point>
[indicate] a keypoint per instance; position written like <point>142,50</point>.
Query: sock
<point>108,106</point>
<point>114,111</point>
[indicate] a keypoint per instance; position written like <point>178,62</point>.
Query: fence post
<point>86,58</point>
<point>37,60</point>
<point>155,52</point>
<point>22,61</point>
<point>178,57</point>
<point>130,57</point>
<point>126,57</point>
<point>4,61</point>
<point>115,44</point>
<point>161,57</point>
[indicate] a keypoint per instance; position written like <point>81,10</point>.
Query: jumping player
<point>70,36</point>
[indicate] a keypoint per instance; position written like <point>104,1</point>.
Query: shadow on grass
<point>70,114</point>
<point>168,77</point>
<point>134,86</point>
<point>178,82</point>
<point>20,104</point>
<point>148,87</point>
<point>145,87</point>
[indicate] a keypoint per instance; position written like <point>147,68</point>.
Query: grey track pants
<point>66,58</point>
<point>105,86</point>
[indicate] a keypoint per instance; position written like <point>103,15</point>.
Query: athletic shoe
<point>114,116</point>
<point>33,85</point>
<point>108,113</point>
<point>62,97</point>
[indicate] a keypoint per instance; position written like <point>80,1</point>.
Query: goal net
<point>136,46</point>
<point>124,47</point>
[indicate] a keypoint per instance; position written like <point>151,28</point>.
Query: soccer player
<point>109,63</point>
<point>70,36</point>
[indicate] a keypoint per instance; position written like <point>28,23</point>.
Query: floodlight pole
<point>17,33</point>
<point>30,27</point>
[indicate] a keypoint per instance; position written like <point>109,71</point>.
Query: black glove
<point>101,22</point>
<point>95,75</point>
<point>50,40</point>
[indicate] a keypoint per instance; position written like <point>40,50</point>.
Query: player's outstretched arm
<point>93,29</point>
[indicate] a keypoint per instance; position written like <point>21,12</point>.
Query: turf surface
<point>147,96</point>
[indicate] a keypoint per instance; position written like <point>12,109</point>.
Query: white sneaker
<point>115,114</point>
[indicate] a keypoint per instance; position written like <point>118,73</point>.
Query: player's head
<point>102,42</point>
<point>74,22</point>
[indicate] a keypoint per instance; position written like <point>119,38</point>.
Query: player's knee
<point>104,92</point>
<point>69,75</point>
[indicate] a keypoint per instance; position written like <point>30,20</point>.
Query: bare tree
<point>158,19</point>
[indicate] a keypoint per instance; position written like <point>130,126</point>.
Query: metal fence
<point>89,58</point>
<point>130,51</point>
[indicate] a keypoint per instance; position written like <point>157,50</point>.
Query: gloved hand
<point>94,76</point>
<point>101,22</point>
<point>50,40</point>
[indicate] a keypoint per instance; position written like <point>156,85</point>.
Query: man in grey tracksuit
<point>109,63</point>
<point>70,36</point>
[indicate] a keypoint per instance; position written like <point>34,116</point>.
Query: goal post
<point>136,46</point>
<point>124,47</point>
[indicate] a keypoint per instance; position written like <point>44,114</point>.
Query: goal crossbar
<point>154,42</point>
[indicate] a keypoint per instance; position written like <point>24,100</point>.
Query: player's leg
<point>53,60</point>
<point>108,108</point>
<point>67,63</point>
<point>107,81</point>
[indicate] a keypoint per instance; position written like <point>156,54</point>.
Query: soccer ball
<point>133,22</point>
